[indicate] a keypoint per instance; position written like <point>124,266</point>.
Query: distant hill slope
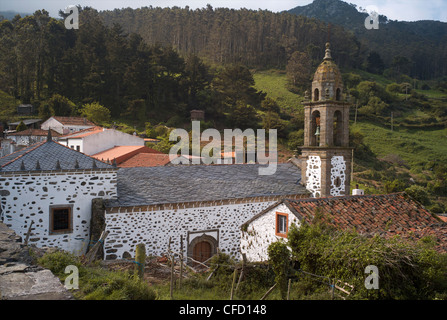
<point>423,42</point>
<point>9,15</point>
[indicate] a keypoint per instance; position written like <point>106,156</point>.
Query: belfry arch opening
<point>337,128</point>
<point>316,94</point>
<point>338,94</point>
<point>315,129</point>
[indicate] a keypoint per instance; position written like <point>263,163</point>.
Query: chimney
<point>357,191</point>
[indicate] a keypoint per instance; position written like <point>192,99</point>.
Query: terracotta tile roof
<point>35,132</point>
<point>74,121</point>
<point>123,153</point>
<point>387,215</point>
<point>146,160</point>
<point>83,133</point>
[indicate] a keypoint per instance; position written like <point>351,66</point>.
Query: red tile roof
<point>386,215</point>
<point>123,153</point>
<point>83,133</point>
<point>146,160</point>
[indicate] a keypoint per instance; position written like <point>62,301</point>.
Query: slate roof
<point>48,154</point>
<point>386,215</point>
<point>184,183</point>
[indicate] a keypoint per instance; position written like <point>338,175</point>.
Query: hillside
<point>411,152</point>
<point>424,43</point>
<point>260,39</point>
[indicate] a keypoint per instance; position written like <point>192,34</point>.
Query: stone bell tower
<point>326,156</point>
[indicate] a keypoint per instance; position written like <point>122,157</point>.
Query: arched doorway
<point>202,251</point>
<point>202,246</point>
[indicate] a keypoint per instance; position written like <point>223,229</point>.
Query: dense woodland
<point>257,39</point>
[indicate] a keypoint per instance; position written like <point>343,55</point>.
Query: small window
<point>78,148</point>
<point>281,224</point>
<point>61,219</point>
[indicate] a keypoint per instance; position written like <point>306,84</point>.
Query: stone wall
<point>154,225</point>
<point>28,196</point>
<point>261,232</point>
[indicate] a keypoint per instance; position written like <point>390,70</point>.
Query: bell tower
<point>326,156</point>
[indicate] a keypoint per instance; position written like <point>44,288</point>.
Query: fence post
<point>181,262</point>
<point>288,289</point>
<point>232,285</point>
<point>140,259</point>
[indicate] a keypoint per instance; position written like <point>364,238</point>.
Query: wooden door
<point>202,251</point>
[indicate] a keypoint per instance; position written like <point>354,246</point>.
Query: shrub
<point>419,194</point>
<point>279,258</point>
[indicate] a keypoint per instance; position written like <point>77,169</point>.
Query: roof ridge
<point>347,197</point>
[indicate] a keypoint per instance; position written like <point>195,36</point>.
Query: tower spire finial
<point>327,55</point>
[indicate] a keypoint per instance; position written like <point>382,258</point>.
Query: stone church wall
<point>154,225</point>
<point>261,232</point>
<point>29,196</point>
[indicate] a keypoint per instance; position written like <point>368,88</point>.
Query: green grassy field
<point>274,83</point>
<point>416,147</point>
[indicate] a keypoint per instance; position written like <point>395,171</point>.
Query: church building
<point>57,196</point>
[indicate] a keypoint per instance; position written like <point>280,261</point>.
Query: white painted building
<point>31,136</point>
<point>52,187</point>
<point>66,125</point>
<point>268,226</point>
<point>206,205</point>
<point>97,139</point>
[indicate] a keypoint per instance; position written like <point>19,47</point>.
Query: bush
<point>96,283</point>
<point>279,258</point>
<point>115,286</point>
<point>419,194</point>
<point>57,261</point>
<point>408,269</point>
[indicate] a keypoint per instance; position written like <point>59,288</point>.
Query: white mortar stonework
<point>28,196</point>
<point>261,232</point>
<point>313,175</point>
<point>338,176</point>
<point>133,225</point>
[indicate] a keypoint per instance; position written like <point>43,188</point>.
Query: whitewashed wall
<point>107,139</point>
<point>52,123</point>
<point>27,197</point>
<point>130,226</point>
<point>261,232</point>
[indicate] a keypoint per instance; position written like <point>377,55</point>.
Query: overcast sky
<point>404,10</point>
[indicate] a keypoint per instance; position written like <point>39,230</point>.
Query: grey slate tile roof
<point>47,154</point>
<point>170,184</point>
